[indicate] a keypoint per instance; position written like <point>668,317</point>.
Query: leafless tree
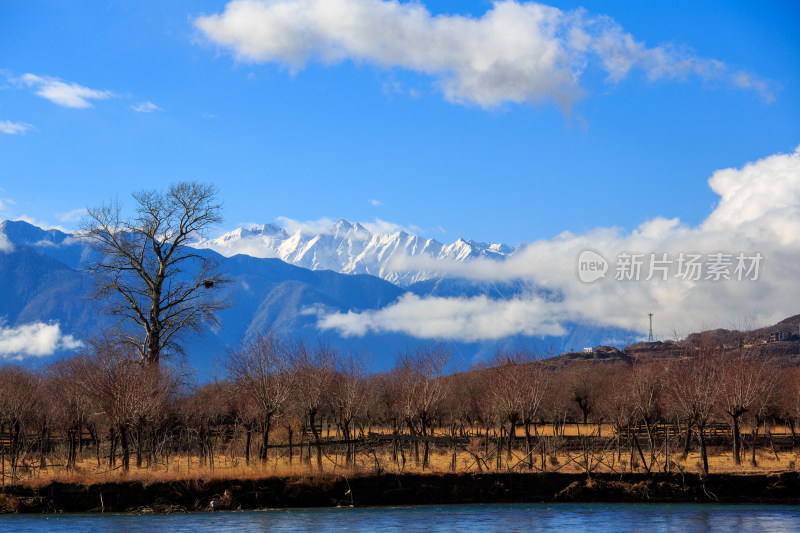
<point>644,391</point>
<point>585,388</point>
<point>146,274</point>
<point>348,397</point>
<point>615,406</point>
<point>789,397</point>
<point>69,409</point>
<point>261,371</point>
<point>207,407</point>
<point>18,407</point>
<point>746,379</point>
<point>518,384</point>
<point>421,389</point>
<point>127,393</point>
<point>693,389</point>
<point>313,370</point>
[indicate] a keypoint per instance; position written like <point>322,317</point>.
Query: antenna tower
<point>650,338</point>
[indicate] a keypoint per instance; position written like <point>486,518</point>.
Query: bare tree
<point>69,409</point>
<point>260,371</point>
<point>746,380</point>
<point>615,406</point>
<point>693,389</point>
<point>422,389</point>
<point>207,407</point>
<point>313,375</point>
<point>18,404</point>
<point>127,393</point>
<point>145,272</point>
<point>518,384</point>
<point>645,397</point>
<point>348,398</point>
<point>585,387</point>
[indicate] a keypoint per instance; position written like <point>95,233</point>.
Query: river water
<point>448,518</point>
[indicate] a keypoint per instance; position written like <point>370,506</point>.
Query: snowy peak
<point>263,231</point>
<point>23,233</point>
<point>351,248</point>
<point>269,230</point>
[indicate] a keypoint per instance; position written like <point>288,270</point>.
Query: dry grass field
<point>592,454</point>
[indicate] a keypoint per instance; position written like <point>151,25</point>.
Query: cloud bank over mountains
<point>520,52</point>
<point>758,215</point>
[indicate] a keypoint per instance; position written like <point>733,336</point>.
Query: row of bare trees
<point>310,404</point>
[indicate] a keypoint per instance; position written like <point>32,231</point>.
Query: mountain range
<point>350,248</point>
<point>339,271</point>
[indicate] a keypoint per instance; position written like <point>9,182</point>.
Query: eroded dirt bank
<point>332,490</point>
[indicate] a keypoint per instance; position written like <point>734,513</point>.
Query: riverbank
<point>329,490</point>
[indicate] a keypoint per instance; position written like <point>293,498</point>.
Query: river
<point>447,518</point>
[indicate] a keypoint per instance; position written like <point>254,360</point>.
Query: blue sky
<point>331,138</point>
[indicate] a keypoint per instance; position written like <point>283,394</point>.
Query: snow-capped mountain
<point>350,248</point>
<point>46,295</point>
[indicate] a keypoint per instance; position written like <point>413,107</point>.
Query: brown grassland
<point>596,455</point>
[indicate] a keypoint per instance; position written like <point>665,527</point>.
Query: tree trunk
<point>43,448</point>
<point>703,452</point>
<point>511,431</point>
<point>112,452</point>
<point>312,414</point>
<point>651,443</point>
<point>139,441</point>
<point>290,431</point>
<point>500,448</point>
<point>641,454</point>
<point>248,437</point>
<point>96,438</point>
<point>688,442</point>
<point>15,446</point>
<point>154,323</point>
<point>737,442</point>
<point>424,433</point>
<point>528,445</point>
<point>123,440</point>
<point>265,440</point>
<point>348,458</point>
<point>771,442</point>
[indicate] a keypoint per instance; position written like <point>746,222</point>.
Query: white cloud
<point>463,319</point>
<point>758,212</point>
<point>5,244</point>
<point>520,52</point>
<point>763,87</point>
<point>308,227</point>
<point>34,340</point>
<point>63,93</point>
<point>375,203</point>
<point>14,128</point>
<point>72,216</point>
<point>146,107</point>
<point>386,227</point>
